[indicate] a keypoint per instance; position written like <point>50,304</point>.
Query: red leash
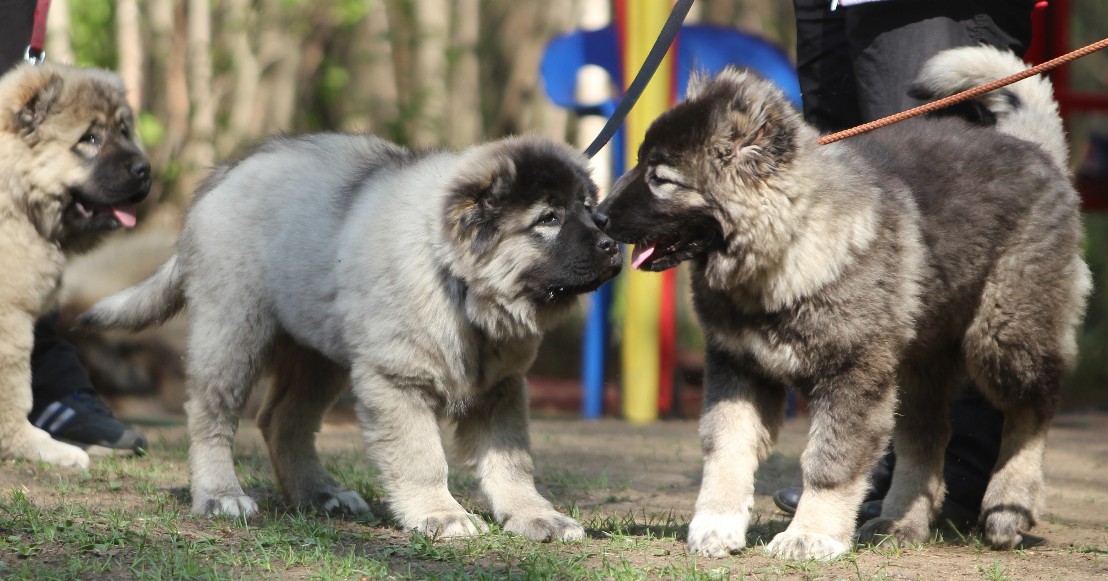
<point>36,51</point>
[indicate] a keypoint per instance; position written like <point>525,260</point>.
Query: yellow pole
<point>640,355</point>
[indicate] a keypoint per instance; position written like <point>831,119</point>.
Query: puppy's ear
<point>38,94</point>
<point>473,208</point>
<point>762,127</point>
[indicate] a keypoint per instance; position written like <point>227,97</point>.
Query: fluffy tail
<point>1026,109</point>
<point>148,303</point>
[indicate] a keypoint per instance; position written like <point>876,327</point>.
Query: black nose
<point>607,245</point>
<point>601,219</point>
<point>141,169</point>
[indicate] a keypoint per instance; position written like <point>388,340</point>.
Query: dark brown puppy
<point>909,257</point>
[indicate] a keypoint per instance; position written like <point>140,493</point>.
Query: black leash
<point>649,67</point>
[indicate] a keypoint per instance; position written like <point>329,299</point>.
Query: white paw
<point>447,524</point>
<point>718,535</point>
<point>802,546</point>
<point>545,527</point>
<point>223,504</point>
<point>344,501</point>
<point>60,453</point>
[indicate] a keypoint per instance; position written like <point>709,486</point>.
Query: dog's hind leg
<point>738,427</point>
<point>399,418</point>
<point>18,438</point>
<point>305,384</point>
<point>493,439</point>
<point>1011,502</point>
<point>852,418</point>
<point>1018,348</point>
<point>229,345</point>
<point>1022,379</point>
<point>920,438</point>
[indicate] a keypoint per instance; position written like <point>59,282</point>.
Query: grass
<point>128,518</point>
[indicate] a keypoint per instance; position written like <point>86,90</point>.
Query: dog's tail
<point>148,303</point>
<point>1026,109</point>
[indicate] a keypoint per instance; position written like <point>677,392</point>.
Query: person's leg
<point>65,402</point>
<point>828,90</point>
<point>889,42</point>
<point>823,66</point>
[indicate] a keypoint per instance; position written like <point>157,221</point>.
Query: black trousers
<point>855,65</point>
<point>56,369</point>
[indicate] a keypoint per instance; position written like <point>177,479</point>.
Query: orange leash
<point>964,95</point>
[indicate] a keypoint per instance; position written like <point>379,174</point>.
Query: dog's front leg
<point>493,438</point>
<point>400,424</point>
<point>738,427</point>
<point>18,437</point>
<point>852,418</point>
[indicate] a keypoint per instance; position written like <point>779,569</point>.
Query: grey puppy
<point>71,170</point>
<point>425,279</point>
<point>909,258</point>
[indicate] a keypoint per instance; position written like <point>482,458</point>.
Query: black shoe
<point>869,510</point>
<point>83,420</point>
<point>786,499</point>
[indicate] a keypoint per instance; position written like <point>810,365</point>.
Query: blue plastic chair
<point>699,48</point>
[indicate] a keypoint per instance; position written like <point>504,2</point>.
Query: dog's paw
<point>235,505</point>
<point>1004,526</point>
<point>447,524</point>
<point>341,501</point>
<point>879,530</point>
<point>805,545</point>
<point>717,535</point>
<point>552,526</point>
<point>61,454</point>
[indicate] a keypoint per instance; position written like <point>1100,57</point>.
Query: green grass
<point>129,518</point>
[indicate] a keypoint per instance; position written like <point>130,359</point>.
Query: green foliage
<point>151,129</point>
<point>1087,383</point>
<point>92,33</point>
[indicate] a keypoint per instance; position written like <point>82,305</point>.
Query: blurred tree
<point>213,77</point>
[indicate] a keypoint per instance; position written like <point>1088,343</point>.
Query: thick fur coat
<point>872,275</point>
<point>70,170</point>
<point>425,280</point>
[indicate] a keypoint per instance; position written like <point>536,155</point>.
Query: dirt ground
<point>612,469</point>
<point>660,465</point>
<point>609,469</point>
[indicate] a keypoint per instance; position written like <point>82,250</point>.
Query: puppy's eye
<point>655,180</point>
<point>548,219</point>
<point>125,131</point>
<point>90,138</point>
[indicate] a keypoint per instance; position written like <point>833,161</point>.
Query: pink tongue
<point>125,215</point>
<point>640,254</point>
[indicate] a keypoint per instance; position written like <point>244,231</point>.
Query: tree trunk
<point>373,105</point>
<point>128,42</point>
<point>58,48</point>
<point>200,152</point>
<point>464,104</point>
<point>246,76</point>
<point>433,26</point>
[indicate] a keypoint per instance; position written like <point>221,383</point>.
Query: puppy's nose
<point>607,245</point>
<point>140,169</point>
<point>601,219</point>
